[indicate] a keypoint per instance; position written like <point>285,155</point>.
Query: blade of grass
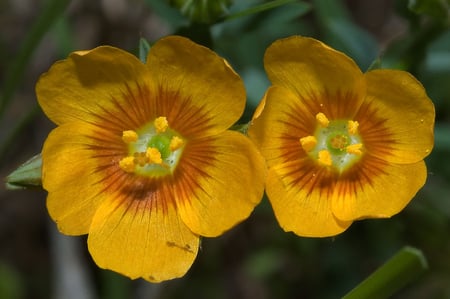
<point>50,13</point>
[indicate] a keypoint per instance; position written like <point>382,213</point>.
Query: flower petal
<point>199,75</point>
<point>141,237</point>
<point>219,181</point>
<point>71,177</point>
<point>408,114</point>
<point>379,190</point>
<point>284,118</point>
<point>287,117</point>
<point>87,83</point>
<point>309,67</point>
<point>299,193</point>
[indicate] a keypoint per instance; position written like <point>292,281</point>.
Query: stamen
<point>153,155</point>
<point>140,158</point>
<point>354,149</point>
<point>161,124</point>
<point>352,127</point>
<point>325,158</point>
<point>129,136</point>
<point>175,143</point>
<point>308,143</point>
<point>322,119</point>
<point>127,164</point>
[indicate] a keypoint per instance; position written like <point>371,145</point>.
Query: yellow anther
<point>127,164</point>
<point>140,158</point>
<point>129,136</point>
<point>354,149</point>
<point>153,155</point>
<point>308,143</point>
<point>322,119</point>
<point>175,143</point>
<point>325,158</point>
<point>161,124</point>
<point>352,127</point>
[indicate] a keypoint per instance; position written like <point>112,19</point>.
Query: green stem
<point>396,273</point>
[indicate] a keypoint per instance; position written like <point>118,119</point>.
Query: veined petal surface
<point>72,157</point>
<point>300,198</point>
<point>400,100</point>
<point>340,146</point>
<point>215,88</point>
<point>377,190</point>
<point>83,85</point>
<point>309,67</point>
<point>220,181</point>
<point>142,160</point>
<point>142,238</point>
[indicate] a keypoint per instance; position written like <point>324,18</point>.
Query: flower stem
<point>396,273</point>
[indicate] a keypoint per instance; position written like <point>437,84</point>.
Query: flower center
<point>335,143</point>
<point>154,150</point>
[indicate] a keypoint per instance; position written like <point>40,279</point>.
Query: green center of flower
<point>335,143</point>
<point>154,150</point>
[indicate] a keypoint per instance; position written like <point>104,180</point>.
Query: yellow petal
<point>401,128</point>
<point>260,108</point>
<point>309,67</point>
<point>218,182</point>
<point>199,78</point>
<point>299,194</point>
<point>89,83</point>
<point>277,130</point>
<point>377,190</point>
<point>141,237</point>
<point>69,168</point>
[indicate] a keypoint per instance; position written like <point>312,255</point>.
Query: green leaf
<point>259,8</point>
<point>28,175</point>
<point>404,267</point>
<point>438,9</point>
<point>144,48</point>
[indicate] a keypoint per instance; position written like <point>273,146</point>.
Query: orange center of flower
<point>154,150</point>
<point>335,143</point>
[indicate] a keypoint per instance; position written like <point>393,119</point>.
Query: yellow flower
<point>142,160</point>
<point>340,145</point>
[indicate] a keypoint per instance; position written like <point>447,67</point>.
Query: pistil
<point>154,150</point>
<point>335,143</point>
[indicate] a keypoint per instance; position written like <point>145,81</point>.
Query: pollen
<point>127,164</point>
<point>325,158</point>
<point>129,136</point>
<point>161,124</point>
<point>140,159</point>
<point>175,143</point>
<point>352,127</point>
<point>354,149</point>
<point>308,143</point>
<point>153,155</point>
<point>322,120</point>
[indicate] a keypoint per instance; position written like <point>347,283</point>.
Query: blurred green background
<point>256,259</point>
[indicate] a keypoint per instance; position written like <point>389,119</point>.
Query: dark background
<point>256,259</point>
